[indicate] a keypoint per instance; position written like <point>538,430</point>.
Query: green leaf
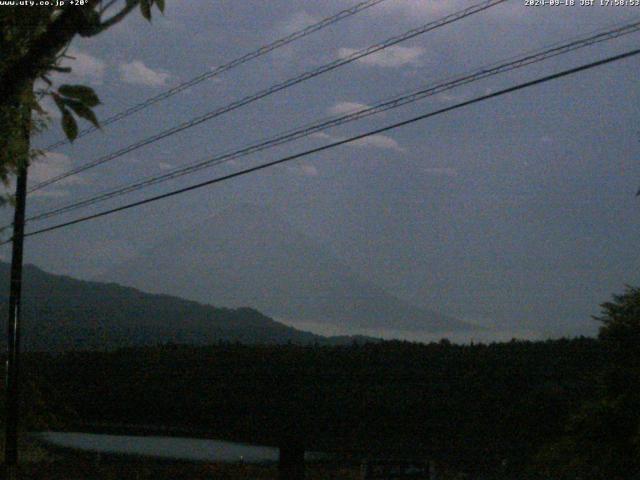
<point>69,125</point>
<point>145,8</point>
<point>82,111</point>
<point>81,92</point>
<point>160,4</point>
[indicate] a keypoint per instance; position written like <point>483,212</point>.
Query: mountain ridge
<point>63,313</point>
<point>250,255</point>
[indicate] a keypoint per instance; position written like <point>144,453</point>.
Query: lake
<point>176,448</point>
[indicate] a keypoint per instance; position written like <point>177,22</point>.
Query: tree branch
<point>117,17</point>
<point>104,8</point>
<point>31,65</point>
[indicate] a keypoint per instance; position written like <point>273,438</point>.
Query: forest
<point>565,408</point>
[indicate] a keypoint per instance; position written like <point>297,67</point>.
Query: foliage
<point>562,409</point>
<point>602,439</point>
<point>33,41</point>
<point>476,408</point>
<point>620,331</point>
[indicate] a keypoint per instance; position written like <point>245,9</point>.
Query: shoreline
<point>60,463</point>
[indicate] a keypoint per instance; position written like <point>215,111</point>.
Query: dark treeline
<point>561,409</point>
<point>475,407</point>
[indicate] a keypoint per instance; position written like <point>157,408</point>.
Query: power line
<point>289,158</point>
<point>454,17</point>
<point>482,73</point>
<point>226,67</point>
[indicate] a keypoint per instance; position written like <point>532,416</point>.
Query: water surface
<point>176,448</point>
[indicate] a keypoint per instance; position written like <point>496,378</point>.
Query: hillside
<point>249,255</point>
<point>61,313</point>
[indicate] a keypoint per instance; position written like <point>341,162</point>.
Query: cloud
<point>429,10</point>
<point>165,166</point>
<point>343,108</point>
<point>297,21</point>
<point>419,9</point>
<point>47,166</point>
<point>52,164</point>
<point>379,141</point>
<point>374,141</point>
<point>391,57</point>
<point>324,136</point>
<point>293,52</point>
<point>83,66</point>
<point>137,73</point>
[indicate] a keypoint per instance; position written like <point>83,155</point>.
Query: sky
<point>518,213</point>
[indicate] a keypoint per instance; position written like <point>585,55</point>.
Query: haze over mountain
<point>62,313</point>
<point>518,213</point>
<point>249,256</point>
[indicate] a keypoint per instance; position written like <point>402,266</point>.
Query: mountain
<point>250,256</point>
<point>61,313</point>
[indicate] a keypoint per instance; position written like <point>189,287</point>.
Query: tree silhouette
<point>33,41</point>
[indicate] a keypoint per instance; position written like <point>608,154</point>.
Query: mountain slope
<point>248,255</point>
<point>61,313</point>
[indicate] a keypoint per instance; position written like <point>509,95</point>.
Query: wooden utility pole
<point>13,325</point>
<point>12,390</point>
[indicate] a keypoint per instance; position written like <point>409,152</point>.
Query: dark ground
<point>42,462</point>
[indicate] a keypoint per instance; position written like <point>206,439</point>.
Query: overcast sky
<point>519,211</point>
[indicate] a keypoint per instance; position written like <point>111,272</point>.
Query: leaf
<point>60,69</point>
<point>160,4</point>
<point>83,93</point>
<point>58,99</point>
<point>145,8</point>
<point>69,125</point>
<point>82,111</point>
<point>91,24</point>
<point>38,108</point>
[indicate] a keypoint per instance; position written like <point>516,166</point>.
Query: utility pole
<point>12,391</point>
<point>13,325</point>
